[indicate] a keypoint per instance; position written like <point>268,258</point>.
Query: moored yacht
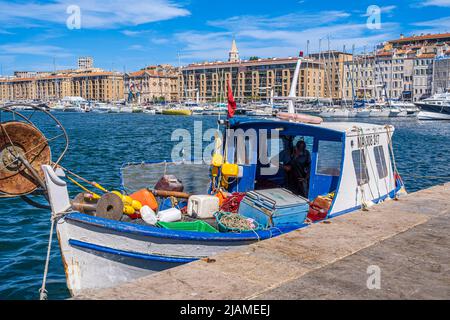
<point>436,107</point>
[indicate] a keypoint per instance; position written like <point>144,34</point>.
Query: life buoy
<point>299,117</point>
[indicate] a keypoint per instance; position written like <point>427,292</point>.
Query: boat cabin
<point>350,161</point>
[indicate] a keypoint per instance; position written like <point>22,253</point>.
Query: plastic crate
<point>194,226</point>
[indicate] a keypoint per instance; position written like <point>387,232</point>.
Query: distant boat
<point>337,112</point>
<point>177,112</point>
<point>436,107</point>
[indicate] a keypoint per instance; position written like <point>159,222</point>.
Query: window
<point>360,165</point>
<point>329,158</point>
<point>381,162</point>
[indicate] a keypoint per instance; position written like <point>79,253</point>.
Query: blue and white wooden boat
<point>353,160</point>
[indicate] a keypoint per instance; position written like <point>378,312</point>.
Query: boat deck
<point>408,240</point>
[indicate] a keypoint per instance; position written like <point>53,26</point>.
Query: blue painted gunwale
<point>150,231</point>
<point>128,254</point>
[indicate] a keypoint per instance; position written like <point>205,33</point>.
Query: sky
<point>129,35</point>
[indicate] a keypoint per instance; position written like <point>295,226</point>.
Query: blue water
<point>101,143</point>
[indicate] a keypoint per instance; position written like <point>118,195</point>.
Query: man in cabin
<point>298,170</point>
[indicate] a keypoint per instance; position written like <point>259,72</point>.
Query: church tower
<point>233,55</point>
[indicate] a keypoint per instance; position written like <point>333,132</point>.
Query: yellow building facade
<point>251,80</point>
<point>100,86</point>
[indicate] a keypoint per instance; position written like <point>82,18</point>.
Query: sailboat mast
<point>292,93</point>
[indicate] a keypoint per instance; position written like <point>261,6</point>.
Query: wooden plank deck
<point>409,240</point>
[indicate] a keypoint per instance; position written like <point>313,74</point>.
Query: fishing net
<point>136,176</point>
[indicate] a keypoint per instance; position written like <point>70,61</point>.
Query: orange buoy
<point>146,198</point>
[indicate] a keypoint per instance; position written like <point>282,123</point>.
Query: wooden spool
<point>109,206</point>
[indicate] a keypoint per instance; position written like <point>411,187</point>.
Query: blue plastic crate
<point>274,207</point>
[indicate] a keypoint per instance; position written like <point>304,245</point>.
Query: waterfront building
<point>255,79</point>
<point>423,75</point>
<point>334,72</point>
<point>101,86</point>
<point>359,77</point>
<point>380,75</point>
<point>152,84</point>
<point>421,40</point>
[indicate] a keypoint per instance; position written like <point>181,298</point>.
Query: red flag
<point>231,102</point>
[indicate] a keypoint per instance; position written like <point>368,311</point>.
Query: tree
<point>253,58</point>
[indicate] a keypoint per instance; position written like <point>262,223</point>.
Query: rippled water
<point>101,143</point>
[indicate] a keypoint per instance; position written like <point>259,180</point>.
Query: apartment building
<point>85,63</point>
<point>101,86</point>
<point>153,83</point>
<point>441,74</point>
<point>423,76</point>
<point>251,80</point>
<point>359,78</point>
<point>334,71</point>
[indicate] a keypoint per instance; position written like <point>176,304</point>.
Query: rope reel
<point>23,150</point>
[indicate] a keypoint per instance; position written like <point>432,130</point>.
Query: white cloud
<point>435,26</point>
<point>35,50</point>
<point>385,10</point>
<point>130,33</point>
<point>159,40</point>
<point>293,20</point>
<point>283,35</point>
<point>136,47</point>
<point>435,3</point>
<point>95,14</point>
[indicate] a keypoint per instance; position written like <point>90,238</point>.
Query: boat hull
<point>426,115</point>
<point>180,112</point>
<point>433,112</point>
<point>100,253</point>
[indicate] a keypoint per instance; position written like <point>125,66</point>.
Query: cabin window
<point>381,161</point>
<point>360,165</point>
<point>329,158</point>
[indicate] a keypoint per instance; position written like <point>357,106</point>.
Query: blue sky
<point>128,35</point>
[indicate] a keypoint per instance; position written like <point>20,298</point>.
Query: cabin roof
<point>325,130</point>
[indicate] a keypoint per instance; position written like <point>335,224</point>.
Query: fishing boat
<point>351,167</point>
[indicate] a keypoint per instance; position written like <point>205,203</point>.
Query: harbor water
<point>101,143</point>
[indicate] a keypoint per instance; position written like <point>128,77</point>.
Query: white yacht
<point>337,112</point>
<point>436,107</point>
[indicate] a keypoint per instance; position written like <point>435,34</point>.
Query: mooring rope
<point>43,291</point>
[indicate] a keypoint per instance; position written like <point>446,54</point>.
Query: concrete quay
<point>408,240</point>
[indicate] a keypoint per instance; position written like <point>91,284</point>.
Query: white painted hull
<point>363,114</point>
<point>337,113</point>
<point>425,115</point>
<point>380,113</point>
<point>95,256</point>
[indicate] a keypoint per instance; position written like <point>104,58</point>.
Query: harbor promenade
<point>408,241</point>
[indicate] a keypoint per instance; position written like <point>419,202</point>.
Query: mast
<point>292,93</point>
